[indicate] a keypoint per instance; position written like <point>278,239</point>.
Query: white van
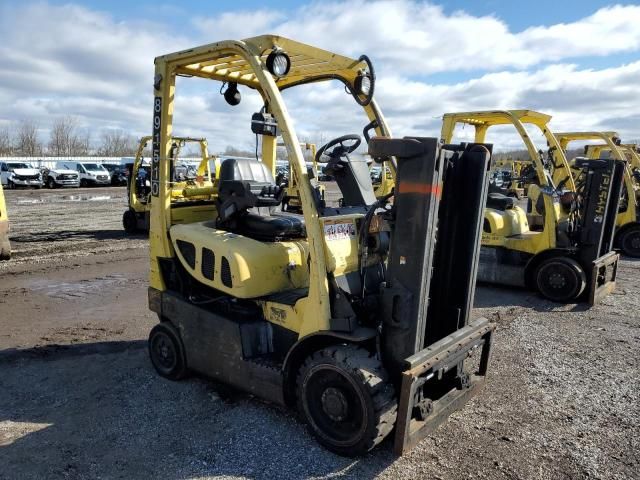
<point>91,174</point>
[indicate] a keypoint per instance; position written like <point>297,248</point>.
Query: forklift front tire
<point>346,400</point>
<point>130,222</point>
<point>629,242</point>
<point>167,352</point>
<point>560,279</point>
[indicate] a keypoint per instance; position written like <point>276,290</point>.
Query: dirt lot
<point>79,398</point>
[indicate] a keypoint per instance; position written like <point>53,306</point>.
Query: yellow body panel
<point>510,222</point>
<point>287,316</point>
<point>192,214</point>
<point>5,246</point>
<point>257,268</point>
<point>3,206</point>
<point>341,244</point>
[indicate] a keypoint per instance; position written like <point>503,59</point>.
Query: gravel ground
<point>79,398</point>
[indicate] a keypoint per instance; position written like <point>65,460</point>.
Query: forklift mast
<point>431,277</point>
<point>426,301</point>
<point>601,197</point>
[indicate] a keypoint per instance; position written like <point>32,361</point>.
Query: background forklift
<point>291,198</point>
<point>356,314</point>
<point>5,246</point>
<point>568,253</point>
<point>136,218</point>
<point>627,237</point>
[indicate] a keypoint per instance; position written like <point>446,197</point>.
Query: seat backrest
<point>245,169</point>
<point>245,183</point>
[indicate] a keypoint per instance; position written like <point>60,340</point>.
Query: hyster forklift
<point>357,314</point>
<point>566,255</point>
<point>136,217</point>
<point>5,246</point>
<point>627,237</point>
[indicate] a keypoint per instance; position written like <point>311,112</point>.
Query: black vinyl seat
<point>498,201</point>
<point>248,199</point>
<point>270,228</point>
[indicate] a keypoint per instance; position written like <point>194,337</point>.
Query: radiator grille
<point>208,262</point>
<point>225,273</point>
<point>188,251</point>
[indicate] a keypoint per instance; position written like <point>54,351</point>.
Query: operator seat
<point>248,203</point>
<point>501,202</point>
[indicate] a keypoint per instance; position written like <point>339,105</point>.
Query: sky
<point>578,61</point>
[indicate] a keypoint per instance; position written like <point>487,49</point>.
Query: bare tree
<point>236,152</point>
<point>6,142</point>
<point>117,143</point>
<point>81,145</point>
<point>27,142</point>
<point>61,137</point>
<point>66,140</point>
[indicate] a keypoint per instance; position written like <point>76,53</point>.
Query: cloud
<point>64,55</point>
<point>420,38</point>
<point>230,25</point>
<point>72,60</point>
<point>578,99</point>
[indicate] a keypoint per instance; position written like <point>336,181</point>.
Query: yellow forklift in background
<point>567,254</point>
<point>5,246</point>
<point>627,237</point>
<point>184,185</point>
<point>360,314</point>
<point>291,199</point>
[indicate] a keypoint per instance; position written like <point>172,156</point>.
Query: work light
<point>363,84</point>
<point>232,94</point>
<point>278,63</point>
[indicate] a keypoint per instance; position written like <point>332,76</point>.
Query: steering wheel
<point>339,147</point>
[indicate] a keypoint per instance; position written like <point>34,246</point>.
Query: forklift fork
<point>418,416</point>
<point>603,277</point>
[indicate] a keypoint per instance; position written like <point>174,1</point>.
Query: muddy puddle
<point>65,198</point>
<point>74,290</point>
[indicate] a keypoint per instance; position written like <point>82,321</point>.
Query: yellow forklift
<point>5,246</point>
<point>291,198</point>
<point>184,185</point>
<point>566,254</point>
<point>627,237</point>
<point>357,314</point>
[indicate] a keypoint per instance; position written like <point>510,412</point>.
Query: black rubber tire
<point>166,352</point>
<point>10,185</point>
<point>346,378</point>
<point>5,253</point>
<point>51,183</point>
<point>629,241</point>
<point>83,183</point>
<point>130,222</point>
<point>560,279</point>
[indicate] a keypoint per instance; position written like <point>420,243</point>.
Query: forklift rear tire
<point>167,352</point>
<point>629,242</point>
<point>346,400</point>
<point>130,222</point>
<point>560,279</point>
